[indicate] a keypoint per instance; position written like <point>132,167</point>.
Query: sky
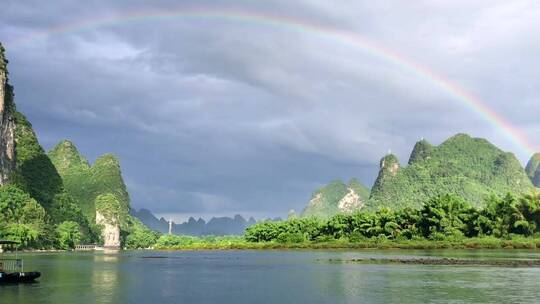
<point>216,116</point>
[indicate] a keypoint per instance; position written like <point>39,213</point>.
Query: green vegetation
<point>325,201</point>
<point>421,152</point>
<point>238,242</point>
<point>445,217</point>
<point>446,221</point>
<point>533,169</point>
<point>69,234</point>
<point>139,236</point>
<point>35,172</point>
<point>449,196</point>
<point>84,182</point>
<point>468,167</point>
<point>359,189</point>
<point>36,177</point>
<point>50,203</point>
<point>111,209</point>
<point>3,60</point>
<point>63,226</point>
<point>182,242</point>
<point>471,168</point>
<point>22,219</point>
<point>100,188</point>
<point>9,105</point>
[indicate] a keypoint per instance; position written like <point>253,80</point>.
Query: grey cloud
<point>213,117</point>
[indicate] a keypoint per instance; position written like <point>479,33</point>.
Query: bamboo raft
<point>12,270</point>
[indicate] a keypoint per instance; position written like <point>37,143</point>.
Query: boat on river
<point>12,269</point>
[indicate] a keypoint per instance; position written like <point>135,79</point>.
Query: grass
<point>238,243</point>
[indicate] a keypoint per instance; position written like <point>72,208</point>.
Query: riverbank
<point>239,243</point>
<point>176,242</point>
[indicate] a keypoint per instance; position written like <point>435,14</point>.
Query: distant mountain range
<point>472,168</point>
<point>215,226</point>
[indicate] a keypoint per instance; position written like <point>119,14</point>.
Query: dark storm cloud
<point>220,116</point>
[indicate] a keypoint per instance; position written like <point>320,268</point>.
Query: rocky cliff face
<point>337,197</point>
<point>7,124</point>
<point>113,216</point>
<point>351,202</point>
<point>110,232</point>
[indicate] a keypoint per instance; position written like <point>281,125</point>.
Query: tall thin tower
<point>170,227</point>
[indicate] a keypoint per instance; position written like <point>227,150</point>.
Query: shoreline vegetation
<point>239,243</point>
<point>191,243</point>
<point>444,222</point>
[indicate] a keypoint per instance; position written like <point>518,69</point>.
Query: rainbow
<point>348,38</point>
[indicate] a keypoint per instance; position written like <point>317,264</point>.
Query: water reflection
<point>266,277</point>
<point>105,277</point>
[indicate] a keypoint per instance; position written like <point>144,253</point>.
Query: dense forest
<point>441,217</point>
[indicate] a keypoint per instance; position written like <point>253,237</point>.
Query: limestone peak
<point>7,123</point>
<point>66,156</point>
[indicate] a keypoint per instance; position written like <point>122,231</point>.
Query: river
<point>292,276</point>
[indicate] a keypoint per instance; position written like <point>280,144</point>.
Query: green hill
<point>85,182</point>
<point>421,151</point>
<point>100,187</point>
<point>337,197</point>
<point>35,173</point>
<point>34,201</point>
<point>49,202</point>
<point>469,167</point>
<point>533,169</point>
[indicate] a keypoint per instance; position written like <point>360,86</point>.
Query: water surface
<point>270,277</point>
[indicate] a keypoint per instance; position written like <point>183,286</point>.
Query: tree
<point>17,206</point>
<point>69,234</point>
<point>529,209</point>
<point>445,215</point>
<point>139,236</point>
<point>24,234</point>
<point>22,218</point>
<point>509,215</point>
